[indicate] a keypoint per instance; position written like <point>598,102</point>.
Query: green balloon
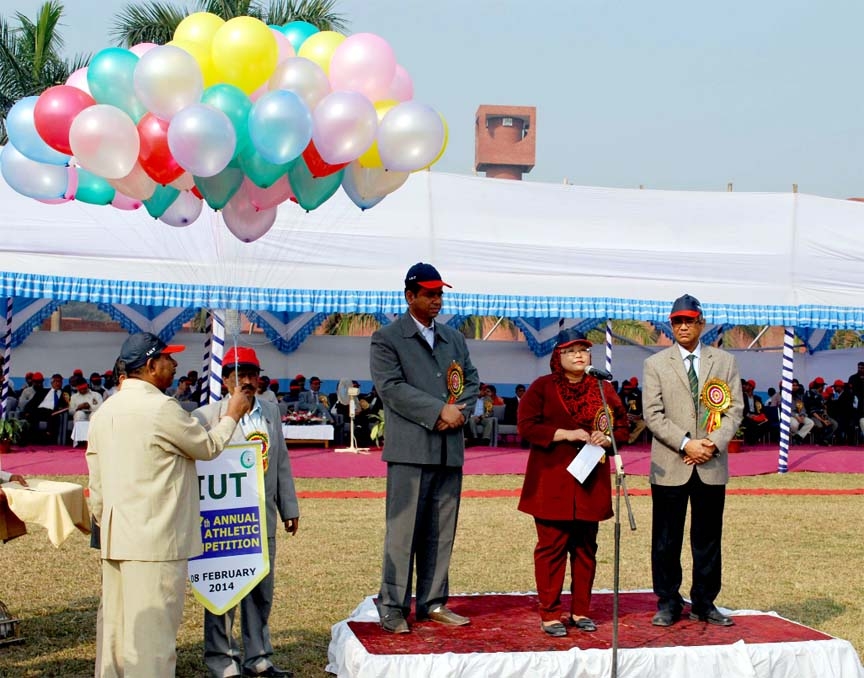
<point>219,189</point>
<point>260,172</point>
<point>309,191</point>
<point>93,189</point>
<point>163,197</point>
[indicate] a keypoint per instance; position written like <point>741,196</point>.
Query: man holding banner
<point>144,496</point>
<point>262,425</point>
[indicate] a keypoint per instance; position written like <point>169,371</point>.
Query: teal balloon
<point>297,32</point>
<point>162,198</point>
<point>110,77</point>
<point>309,191</point>
<point>93,189</point>
<point>260,172</point>
<point>219,189</point>
<point>234,103</point>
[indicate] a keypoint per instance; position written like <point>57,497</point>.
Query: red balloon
<point>54,112</point>
<point>155,156</point>
<point>317,165</point>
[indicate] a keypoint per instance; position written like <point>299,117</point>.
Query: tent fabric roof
<point>517,249</point>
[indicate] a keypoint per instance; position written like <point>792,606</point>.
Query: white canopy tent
<point>517,249</point>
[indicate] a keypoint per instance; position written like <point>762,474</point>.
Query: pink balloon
<point>283,44</point>
<point>363,63</point>
<point>142,48</point>
<point>124,202</point>
<point>265,198</point>
<point>245,221</point>
<point>344,125</point>
<point>402,87</point>
<point>78,80</point>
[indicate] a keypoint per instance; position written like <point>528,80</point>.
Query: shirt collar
<point>696,351</point>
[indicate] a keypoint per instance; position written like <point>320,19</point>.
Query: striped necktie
<point>694,380</point>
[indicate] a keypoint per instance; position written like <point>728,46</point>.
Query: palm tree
<point>156,21</point>
<point>30,60</point>
<point>350,325</point>
<point>479,326</point>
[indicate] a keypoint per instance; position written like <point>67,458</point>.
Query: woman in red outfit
<point>559,414</point>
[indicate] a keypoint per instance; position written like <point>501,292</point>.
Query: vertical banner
<point>233,527</point>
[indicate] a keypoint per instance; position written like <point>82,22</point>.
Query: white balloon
<point>104,140</point>
<point>183,211</point>
<point>410,136</point>
<point>344,125</point>
<point>167,79</point>
<point>244,220</point>
<point>202,140</point>
<point>303,77</point>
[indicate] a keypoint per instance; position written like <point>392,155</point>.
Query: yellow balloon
<point>319,48</point>
<point>443,145</point>
<point>245,53</point>
<point>372,158</point>
<point>199,28</point>
<point>201,54</point>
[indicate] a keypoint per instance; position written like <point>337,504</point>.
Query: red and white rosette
<point>717,398</point>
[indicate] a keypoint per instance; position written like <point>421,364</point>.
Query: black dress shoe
<point>394,622</point>
<point>583,624</point>
<point>556,629</point>
<point>713,617</point>
<point>665,618</point>
<point>270,672</point>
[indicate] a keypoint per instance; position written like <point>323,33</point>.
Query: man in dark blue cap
<point>692,404</point>
<point>427,383</point>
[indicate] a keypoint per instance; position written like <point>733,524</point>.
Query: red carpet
<point>325,463</point>
<point>510,623</point>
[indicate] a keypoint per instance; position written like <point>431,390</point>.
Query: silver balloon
<point>373,182</point>
<point>202,139</point>
<point>303,77</point>
<point>245,221</point>
<point>410,136</point>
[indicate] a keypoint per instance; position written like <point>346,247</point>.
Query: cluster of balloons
<point>237,114</point>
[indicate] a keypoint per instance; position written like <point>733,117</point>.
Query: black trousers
<point>667,536</point>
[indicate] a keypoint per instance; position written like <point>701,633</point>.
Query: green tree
<point>350,325</point>
<point>478,326</point>
<point>156,21</point>
<point>30,57</point>
<point>626,332</point>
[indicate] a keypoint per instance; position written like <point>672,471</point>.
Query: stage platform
<point>504,640</point>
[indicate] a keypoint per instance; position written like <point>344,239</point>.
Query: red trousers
<point>556,540</point>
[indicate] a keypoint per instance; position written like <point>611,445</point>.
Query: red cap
<point>38,376</point>
<point>839,382</point>
<point>78,371</point>
<point>299,376</point>
<point>241,356</point>
<point>29,375</point>
<point>751,383</point>
<point>634,382</point>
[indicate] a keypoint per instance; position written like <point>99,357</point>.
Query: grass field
<point>799,555</point>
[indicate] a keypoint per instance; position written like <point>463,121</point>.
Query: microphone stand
<point>620,487</point>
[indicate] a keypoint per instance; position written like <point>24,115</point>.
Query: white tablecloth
<point>318,432</point>
<point>79,432</point>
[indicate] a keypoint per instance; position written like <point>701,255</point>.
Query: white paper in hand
<point>585,461</point>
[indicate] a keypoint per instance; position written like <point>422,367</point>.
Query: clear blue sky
<point>673,95</point>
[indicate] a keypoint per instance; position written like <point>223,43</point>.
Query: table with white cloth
<point>303,434</point>
<point>80,431</point>
<point>59,507</point>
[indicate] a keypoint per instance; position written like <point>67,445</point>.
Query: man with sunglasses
<point>692,404</point>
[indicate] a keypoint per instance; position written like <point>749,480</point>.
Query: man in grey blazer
<point>144,496</point>
<point>693,412</point>
<point>427,383</point>
<point>240,371</point>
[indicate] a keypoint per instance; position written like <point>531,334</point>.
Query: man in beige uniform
<point>144,495</point>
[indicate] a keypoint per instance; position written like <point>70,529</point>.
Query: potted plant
<point>11,432</point>
<point>736,442</point>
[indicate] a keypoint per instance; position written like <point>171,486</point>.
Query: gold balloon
<point>245,53</point>
<point>319,48</point>
<point>372,158</point>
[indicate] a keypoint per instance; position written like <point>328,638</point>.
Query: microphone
<point>603,375</point>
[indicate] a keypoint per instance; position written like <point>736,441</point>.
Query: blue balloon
<point>33,179</point>
<point>297,32</point>
<point>280,126</point>
<point>23,135</point>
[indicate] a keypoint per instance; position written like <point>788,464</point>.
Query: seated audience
<point>84,402</point>
<point>632,401</point>
<point>814,403</point>
<point>840,407</point>
<point>755,422</point>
